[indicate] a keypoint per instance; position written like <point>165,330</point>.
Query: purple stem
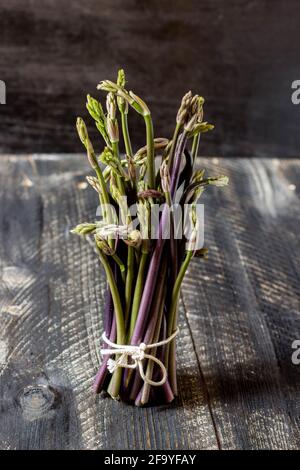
<point>110,330</point>
<point>137,384</point>
<point>156,257</point>
<point>102,372</point>
<point>187,170</point>
<point>139,398</point>
<point>167,392</point>
<point>148,338</point>
<point>184,178</point>
<point>109,310</point>
<point>157,305</point>
<point>166,389</point>
<point>150,283</point>
<point>177,161</point>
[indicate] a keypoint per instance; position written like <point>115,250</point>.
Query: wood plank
<point>239,316</point>
<point>241,55</point>
<point>37,403</point>
<point>51,313</point>
<point>243,304</point>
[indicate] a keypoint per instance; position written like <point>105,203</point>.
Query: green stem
<point>138,292</point>
<point>171,364</point>
<point>115,148</point>
<point>104,193</point>
<point>172,321</point>
<point>125,132</point>
<point>176,292</point>
<point>116,298</point>
<point>150,151</point>
<point>155,338</point>
<point>115,382</point>
<point>120,183</point>
<point>172,317</point>
<point>104,198</point>
<point>121,266</point>
<point>130,255</point>
<point>195,146</point>
<point>168,198</point>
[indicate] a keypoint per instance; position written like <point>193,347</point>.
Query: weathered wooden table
<point>239,388</point>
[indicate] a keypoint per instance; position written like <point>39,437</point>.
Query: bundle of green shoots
<point>143,266</point>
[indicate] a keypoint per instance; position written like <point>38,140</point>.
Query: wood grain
<point>241,55</point>
<point>248,296</point>
<point>239,316</point>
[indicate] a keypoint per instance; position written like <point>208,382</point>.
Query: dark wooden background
<point>242,55</point>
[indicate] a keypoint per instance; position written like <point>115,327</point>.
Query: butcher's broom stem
<point>144,263</point>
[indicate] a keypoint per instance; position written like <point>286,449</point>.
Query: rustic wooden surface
<point>239,316</point>
<point>241,55</point>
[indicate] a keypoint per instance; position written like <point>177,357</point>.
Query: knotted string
<point>137,354</point>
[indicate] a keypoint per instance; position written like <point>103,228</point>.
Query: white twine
<point>106,230</point>
<point>137,354</point>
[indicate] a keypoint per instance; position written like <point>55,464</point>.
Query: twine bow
<point>137,354</point>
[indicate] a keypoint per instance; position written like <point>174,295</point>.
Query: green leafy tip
<point>85,228</point>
